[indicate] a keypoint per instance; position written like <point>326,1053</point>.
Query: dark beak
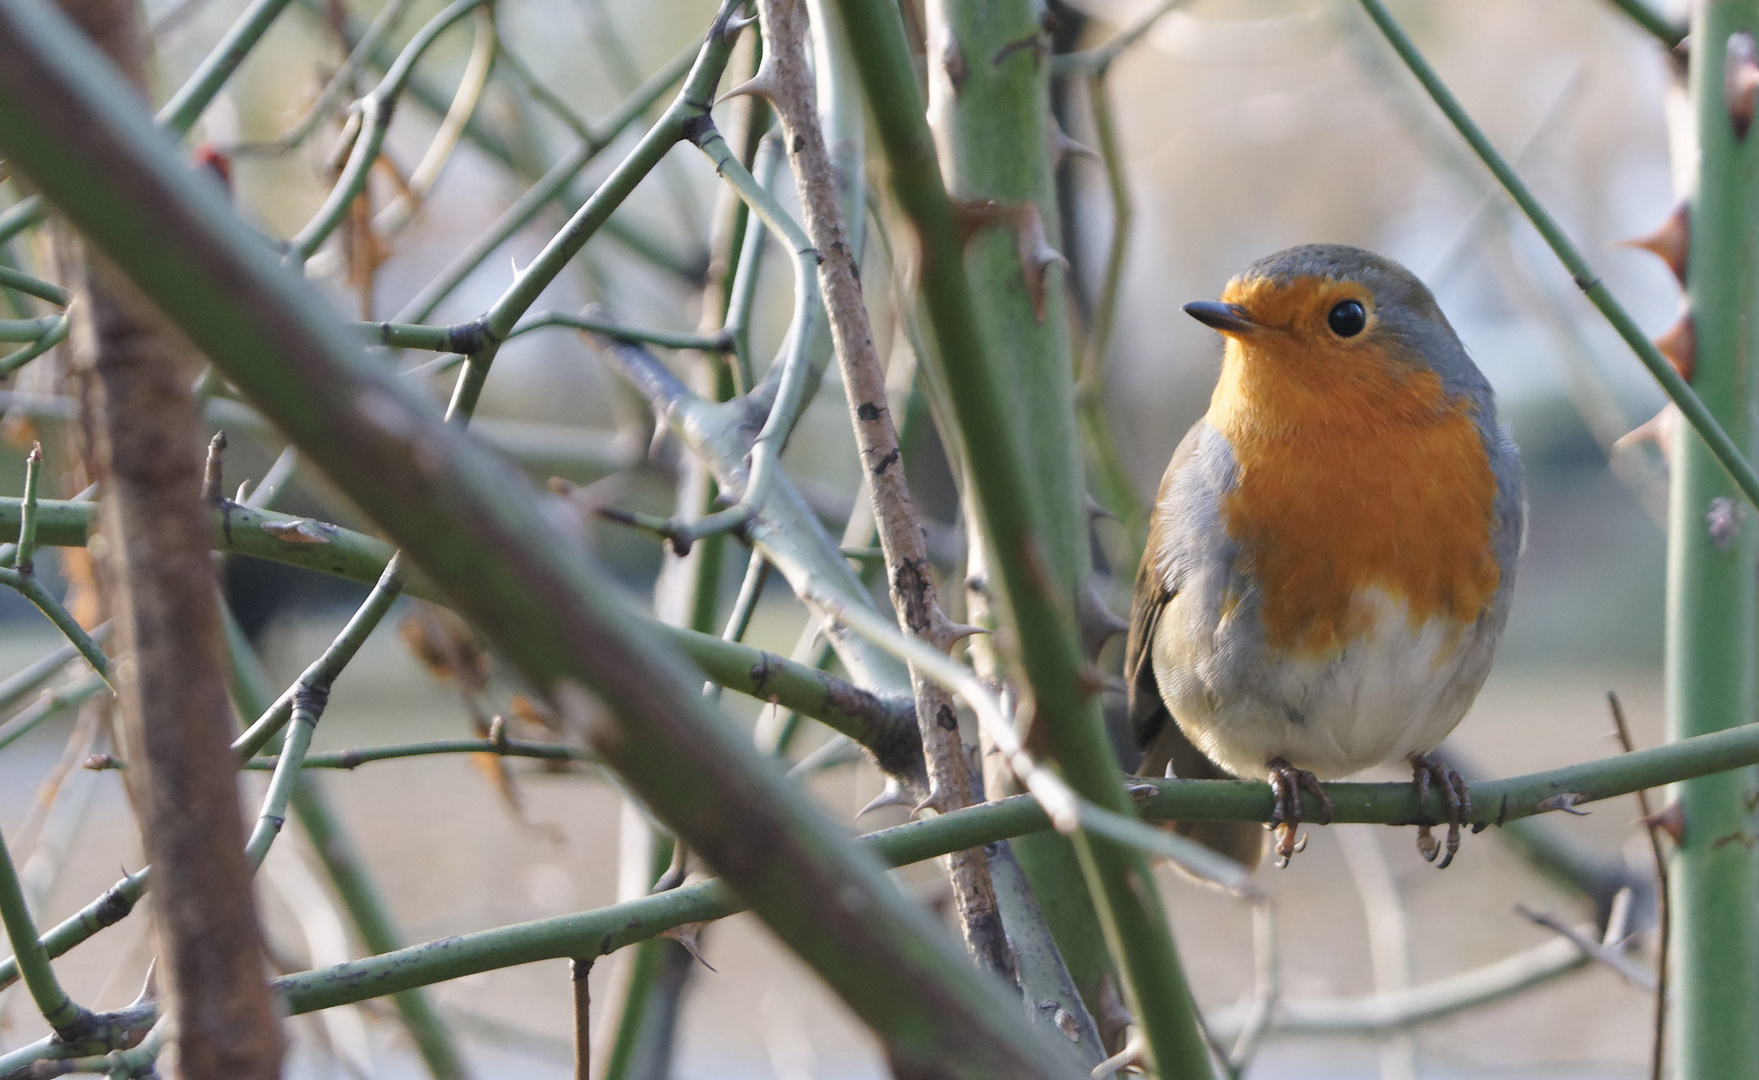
<point>1228,318</point>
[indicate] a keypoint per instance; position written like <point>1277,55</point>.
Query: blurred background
<point>1245,126</point>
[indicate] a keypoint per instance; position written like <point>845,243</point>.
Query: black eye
<point>1347,319</point>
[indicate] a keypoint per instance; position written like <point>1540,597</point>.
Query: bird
<point>1331,554</point>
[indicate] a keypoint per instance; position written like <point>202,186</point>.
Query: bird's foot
<point>1459,805</point>
<point>1287,782</point>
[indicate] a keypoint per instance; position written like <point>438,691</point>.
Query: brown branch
<point>908,571</point>
<point>578,970</point>
<point>145,450</point>
<point>1663,912</point>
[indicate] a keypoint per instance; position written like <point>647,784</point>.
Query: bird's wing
<point>1159,737</point>
<point>1152,726</point>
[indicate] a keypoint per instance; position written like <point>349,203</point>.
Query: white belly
<point>1394,691</point>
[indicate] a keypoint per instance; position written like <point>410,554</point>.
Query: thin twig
<point>1663,902</point>
<point>1691,406</point>
<point>31,959</point>
<point>1652,22</point>
<point>375,111</point>
<point>1607,950</point>
<point>24,558</point>
<point>578,971</point>
<point>901,537</point>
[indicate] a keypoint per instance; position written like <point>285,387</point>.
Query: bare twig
<point>1663,911</point>
<point>908,570</point>
<point>1607,950</point>
<point>578,970</point>
<point>1389,943</point>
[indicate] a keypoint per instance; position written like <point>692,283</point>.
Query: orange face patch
<point>1356,471</point>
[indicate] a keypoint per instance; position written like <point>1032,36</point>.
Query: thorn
<point>1098,624</point>
<point>762,85</point>
<point>101,763</point>
<point>971,216</point>
<point>735,25</point>
<point>1089,680</point>
<point>1563,800</point>
<point>1063,146</point>
<point>1680,345</point>
<point>1670,242</point>
<point>953,632</point>
<point>689,935</point>
<point>931,801</point>
<point>1658,429</point>
<point>892,795</point>
<point>243,491</point>
<point>1112,1016</point>
<point>1740,81</point>
<point>1142,791</point>
<point>953,62</point>
<point>1670,819</point>
<point>147,985</point>
<point>1096,510</point>
<point>1036,256</point>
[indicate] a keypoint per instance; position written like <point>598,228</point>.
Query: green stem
<point>1495,802</point>
<point>1034,590</point>
<point>551,186</point>
<point>179,114</point>
<point>1721,446</point>
<point>690,109</point>
<point>49,706</point>
<point>27,682</point>
<point>347,872</point>
<point>467,520</point>
<point>1712,548</point>
<point>16,330</point>
<point>24,557</point>
<point>199,90</point>
<point>30,286</point>
<point>55,336</point>
<point>874,720</point>
<point>375,120</point>
<point>32,589</point>
<point>1114,488</point>
<point>31,959</point>
<point>604,930</point>
<point>709,343</point>
<point>1657,25</point>
<point>795,372</point>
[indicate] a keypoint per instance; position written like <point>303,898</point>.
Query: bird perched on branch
<point>1332,551</point>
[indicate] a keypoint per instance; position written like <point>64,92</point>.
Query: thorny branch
<point>785,80</point>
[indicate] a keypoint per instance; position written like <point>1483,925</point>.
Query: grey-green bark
<point>1712,544</point>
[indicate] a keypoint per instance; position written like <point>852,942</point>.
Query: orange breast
<point>1355,472</point>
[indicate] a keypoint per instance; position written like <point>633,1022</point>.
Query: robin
<point>1332,551</point>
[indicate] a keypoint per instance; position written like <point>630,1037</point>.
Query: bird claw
<point>1287,783</point>
<point>1458,798</point>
